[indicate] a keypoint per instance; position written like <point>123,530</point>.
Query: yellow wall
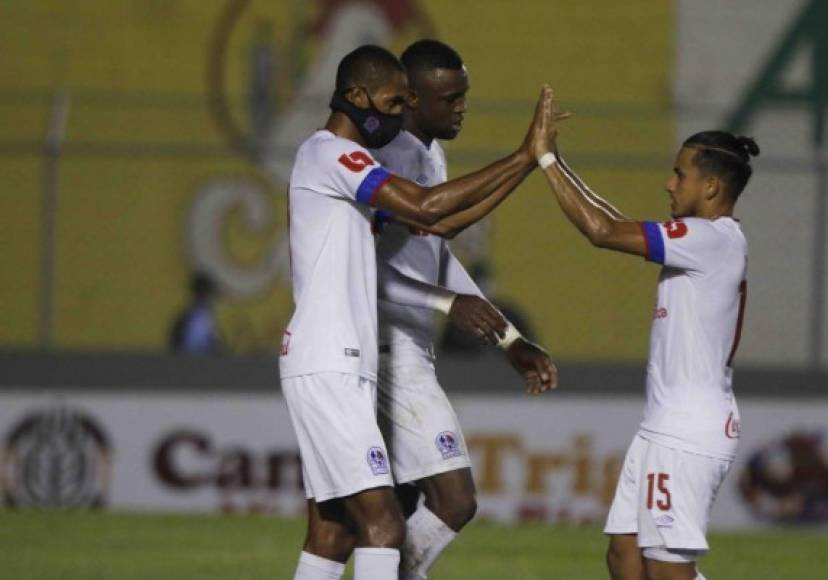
<point>136,71</point>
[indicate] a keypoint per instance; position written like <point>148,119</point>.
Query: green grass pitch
<point>43,545</point>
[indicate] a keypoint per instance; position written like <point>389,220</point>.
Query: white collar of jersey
<point>414,139</point>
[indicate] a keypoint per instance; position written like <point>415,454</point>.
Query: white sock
<point>313,567</point>
<point>699,575</point>
<point>426,536</point>
<point>376,564</point>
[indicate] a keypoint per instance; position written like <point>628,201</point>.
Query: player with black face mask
<point>378,129</point>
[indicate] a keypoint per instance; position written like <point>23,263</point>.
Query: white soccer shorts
<point>665,495</point>
<point>342,449</point>
<point>418,421</point>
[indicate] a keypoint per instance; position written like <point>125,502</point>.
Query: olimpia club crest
<point>58,457</point>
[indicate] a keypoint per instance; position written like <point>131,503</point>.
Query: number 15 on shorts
<point>658,492</point>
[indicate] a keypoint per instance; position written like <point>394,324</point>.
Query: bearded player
<point>687,441</point>
<point>417,273</point>
<point>328,361</point>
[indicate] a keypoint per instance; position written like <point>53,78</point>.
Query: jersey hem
<point>361,374</point>
<point>672,442</point>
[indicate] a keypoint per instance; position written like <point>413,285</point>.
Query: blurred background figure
<point>195,331</point>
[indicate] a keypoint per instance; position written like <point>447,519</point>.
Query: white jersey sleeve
<point>454,276</point>
<point>689,244</point>
<point>394,286</point>
<point>341,169</point>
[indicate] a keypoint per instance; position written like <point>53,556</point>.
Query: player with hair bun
<point>687,441</point>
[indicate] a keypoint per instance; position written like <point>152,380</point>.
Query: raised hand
<point>551,117</point>
<point>533,364</point>
<point>477,317</point>
<point>536,130</point>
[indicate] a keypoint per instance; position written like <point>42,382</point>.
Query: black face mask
<point>376,128</point>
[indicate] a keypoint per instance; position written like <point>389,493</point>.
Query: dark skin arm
<point>452,225</point>
<point>462,198</point>
<point>533,365</point>
<point>599,221</point>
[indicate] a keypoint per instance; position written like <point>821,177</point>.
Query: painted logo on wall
<point>786,481</point>
<point>56,457</point>
<point>289,81</point>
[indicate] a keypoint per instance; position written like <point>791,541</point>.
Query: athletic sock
<point>426,537</point>
<point>312,567</point>
<point>699,575</point>
<point>376,564</point>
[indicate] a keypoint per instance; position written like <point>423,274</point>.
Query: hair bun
<point>748,145</point>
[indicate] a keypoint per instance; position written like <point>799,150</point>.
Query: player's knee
<point>385,531</point>
<point>458,512</point>
<point>330,542</point>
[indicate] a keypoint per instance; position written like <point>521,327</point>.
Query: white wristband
<point>547,160</point>
<point>442,300</point>
<point>510,336</point>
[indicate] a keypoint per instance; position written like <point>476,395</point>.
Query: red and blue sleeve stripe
<point>654,241</point>
<point>367,190</point>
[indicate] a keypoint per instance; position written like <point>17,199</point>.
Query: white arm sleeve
<point>454,276</point>
<point>393,286</point>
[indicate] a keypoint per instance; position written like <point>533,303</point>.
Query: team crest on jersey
<point>377,461</point>
<point>446,443</point>
<point>675,229</point>
<point>664,521</point>
<point>732,427</point>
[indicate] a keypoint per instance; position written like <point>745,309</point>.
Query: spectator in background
<point>194,330</point>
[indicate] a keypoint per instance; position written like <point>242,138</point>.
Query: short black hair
<point>428,54</point>
<point>724,155</point>
<point>367,65</point>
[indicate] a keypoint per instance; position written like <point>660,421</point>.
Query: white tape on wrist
<point>547,160</point>
<point>442,301</point>
<point>511,335</point>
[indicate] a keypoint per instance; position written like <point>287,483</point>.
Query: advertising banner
<point>554,459</point>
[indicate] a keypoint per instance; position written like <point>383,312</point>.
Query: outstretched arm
<point>452,225</point>
<point>464,198</point>
<point>598,220</point>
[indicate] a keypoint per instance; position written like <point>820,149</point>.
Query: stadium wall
<point>131,432</point>
<point>154,179</point>
<point>550,460</point>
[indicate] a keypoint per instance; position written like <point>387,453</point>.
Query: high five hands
<point>541,138</point>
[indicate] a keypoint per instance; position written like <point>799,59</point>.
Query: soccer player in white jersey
<point>687,440</point>
<point>416,271</point>
<point>328,358</point>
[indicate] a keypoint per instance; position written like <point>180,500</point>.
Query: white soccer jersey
<point>333,260</point>
<point>408,329</point>
<point>696,327</point>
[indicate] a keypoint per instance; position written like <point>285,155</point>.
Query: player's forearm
<point>427,206</point>
<point>586,210</point>
<point>585,189</point>
<point>394,286</point>
<point>452,225</point>
<point>455,277</point>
